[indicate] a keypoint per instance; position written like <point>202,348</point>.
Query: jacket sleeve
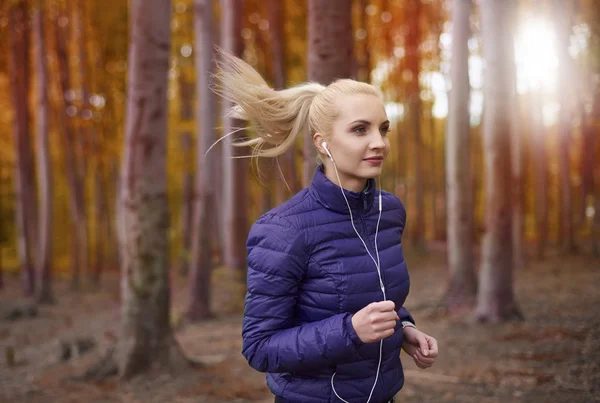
<point>402,313</point>
<point>405,316</point>
<point>271,343</point>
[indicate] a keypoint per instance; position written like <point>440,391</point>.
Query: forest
<point>125,205</point>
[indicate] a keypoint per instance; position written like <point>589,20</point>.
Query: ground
<point>552,356</point>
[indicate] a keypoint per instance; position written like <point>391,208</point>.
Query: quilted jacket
<point>308,273</point>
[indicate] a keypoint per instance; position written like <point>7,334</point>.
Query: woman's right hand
<point>375,322</point>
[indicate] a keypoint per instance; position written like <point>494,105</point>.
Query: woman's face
<point>358,140</point>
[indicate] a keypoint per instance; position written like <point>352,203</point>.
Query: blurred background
<point>495,111</point>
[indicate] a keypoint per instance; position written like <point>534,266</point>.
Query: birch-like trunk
<point>235,171</point>
<point>495,299</point>
<point>462,286</point>
<point>413,64</point>
<point>146,336</point>
<point>44,255</point>
<point>202,230</point>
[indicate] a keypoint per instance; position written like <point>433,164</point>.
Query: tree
<point>186,89</point>
<point>235,171</point>
<point>516,153</point>
<point>413,94</point>
<point>205,190</point>
<point>44,256</point>
<point>462,287</point>
<point>146,335</point>
<point>70,143</point>
<point>24,182</point>
<point>330,55</point>
<point>562,17</point>
<point>495,299</point>
<point>287,160</point>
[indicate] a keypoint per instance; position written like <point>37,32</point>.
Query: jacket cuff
<point>351,332</point>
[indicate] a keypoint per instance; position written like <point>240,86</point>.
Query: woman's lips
<point>374,160</point>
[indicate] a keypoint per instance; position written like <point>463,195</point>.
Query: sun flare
<point>536,56</point>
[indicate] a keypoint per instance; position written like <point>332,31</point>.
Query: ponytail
<point>278,116</point>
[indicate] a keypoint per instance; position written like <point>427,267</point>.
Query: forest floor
<point>552,356</point>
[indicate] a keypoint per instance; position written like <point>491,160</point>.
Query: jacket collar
<point>329,194</point>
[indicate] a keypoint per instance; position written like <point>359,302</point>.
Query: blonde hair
<point>280,116</point>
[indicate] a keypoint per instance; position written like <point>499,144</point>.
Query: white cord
<point>377,265</point>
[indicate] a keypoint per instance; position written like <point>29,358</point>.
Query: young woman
<point>326,273</point>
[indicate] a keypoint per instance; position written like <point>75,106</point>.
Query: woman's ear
<point>317,141</point>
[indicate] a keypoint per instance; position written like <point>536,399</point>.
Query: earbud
<point>324,144</point>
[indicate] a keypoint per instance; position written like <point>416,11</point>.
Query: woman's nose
<point>377,141</point>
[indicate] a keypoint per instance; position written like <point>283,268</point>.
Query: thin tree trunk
<point>414,109</point>
<point>562,17</point>
<point>44,255</point>
<point>540,162</point>
<point>205,194</point>
<point>146,335</point>
<point>595,116</point>
<point>516,141</point>
<point>74,179</point>
<point>495,300</point>
<point>187,197</point>
<point>83,140</point>
<point>235,171</point>
<point>23,180</point>
<point>462,286</point>
<point>330,56</point>
<point>286,164</point>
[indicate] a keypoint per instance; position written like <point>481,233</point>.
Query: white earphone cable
<point>377,265</point>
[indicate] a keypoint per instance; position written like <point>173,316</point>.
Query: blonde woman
<point>327,277</point>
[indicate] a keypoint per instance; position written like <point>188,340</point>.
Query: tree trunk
<point>24,181</point>
<point>462,286</point>
<point>83,140</point>
<point>516,153</point>
<point>235,171</point>
<point>44,256</point>
<point>186,90</point>
<point>205,189</point>
<point>413,42</point>
<point>495,300</point>
<point>595,116</point>
<point>286,165</point>
<point>330,56</point>
<point>540,163</point>
<point>562,17</point>
<point>146,335</point>
<point>68,140</point>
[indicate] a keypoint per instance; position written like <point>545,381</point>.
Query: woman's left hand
<point>420,346</point>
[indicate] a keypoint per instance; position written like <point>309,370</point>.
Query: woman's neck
<point>350,183</point>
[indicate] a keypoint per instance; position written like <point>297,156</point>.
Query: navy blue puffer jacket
<point>308,273</point>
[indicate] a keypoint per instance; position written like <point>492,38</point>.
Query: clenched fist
<point>375,322</point>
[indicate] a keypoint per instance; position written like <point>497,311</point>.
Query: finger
<point>389,316</point>
<point>384,306</point>
<point>418,363</point>
<point>384,334</point>
<point>423,344</point>
<point>424,360</point>
<point>433,347</point>
<point>384,326</point>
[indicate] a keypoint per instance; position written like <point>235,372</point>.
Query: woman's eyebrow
<point>364,122</point>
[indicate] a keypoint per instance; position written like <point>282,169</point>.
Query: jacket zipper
<point>371,239</point>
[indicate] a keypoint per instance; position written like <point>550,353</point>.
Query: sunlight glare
<point>536,56</point>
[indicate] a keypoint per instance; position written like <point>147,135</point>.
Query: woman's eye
<point>360,129</point>
<point>385,130</point>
